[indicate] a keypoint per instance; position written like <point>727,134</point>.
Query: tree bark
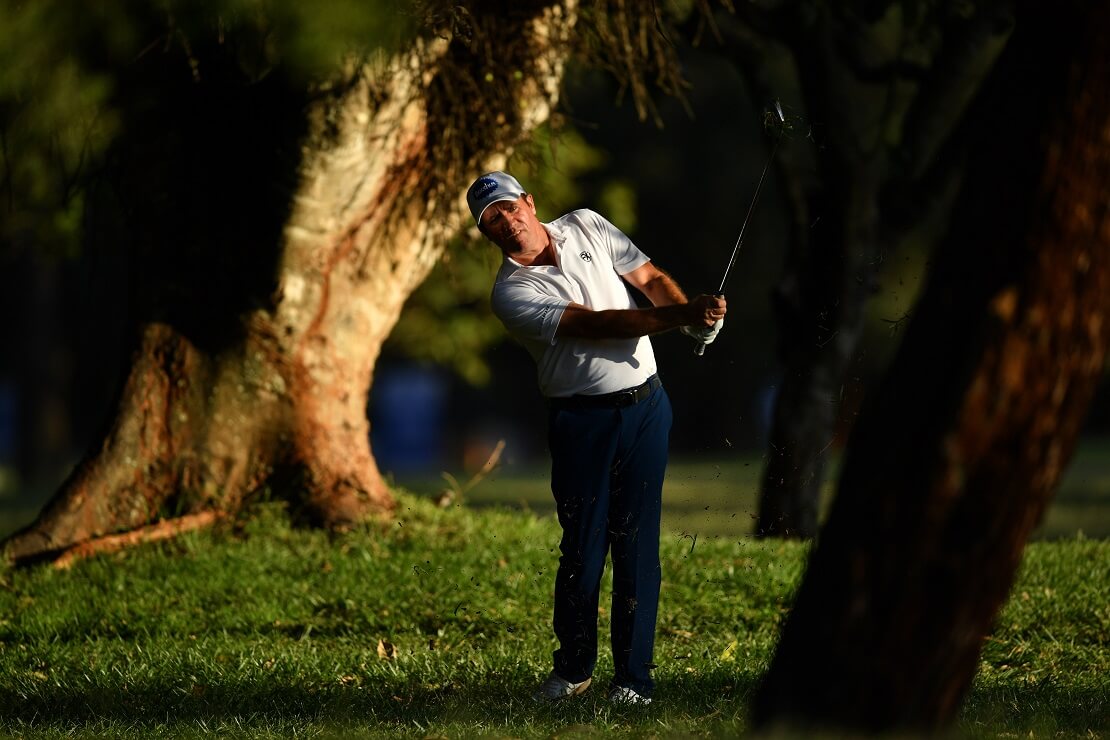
<point>298,229</point>
<point>819,308</point>
<point>828,276</point>
<point>955,457</point>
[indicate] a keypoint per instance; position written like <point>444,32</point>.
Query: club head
<point>774,120</point>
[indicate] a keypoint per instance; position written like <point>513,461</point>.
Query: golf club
<point>779,120</point>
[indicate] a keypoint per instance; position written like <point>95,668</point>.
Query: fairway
<point>437,625</point>
<point>719,497</point>
<point>707,498</point>
<point>711,497</point>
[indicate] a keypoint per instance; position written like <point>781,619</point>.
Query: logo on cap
<point>483,187</point>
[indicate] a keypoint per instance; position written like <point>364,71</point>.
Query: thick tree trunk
<point>954,460</point>
<point>866,192</point>
<point>828,277</point>
<point>259,375</point>
<point>819,308</point>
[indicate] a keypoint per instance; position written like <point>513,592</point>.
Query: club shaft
<point>747,217</point>
<point>699,348</point>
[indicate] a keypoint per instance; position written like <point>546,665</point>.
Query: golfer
<point>562,292</point>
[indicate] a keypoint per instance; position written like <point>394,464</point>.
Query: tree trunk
<point>884,163</point>
<point>829,274</point>
<point>819,307</point>
<point>254,369</point>
<point>954,460</point>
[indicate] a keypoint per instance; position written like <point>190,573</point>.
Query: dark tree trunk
<point>955,457</point>
<point>819,302</point>
<point>880,162</point>
<point>819,308</point>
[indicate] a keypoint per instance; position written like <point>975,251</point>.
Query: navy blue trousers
<point>607,478</point>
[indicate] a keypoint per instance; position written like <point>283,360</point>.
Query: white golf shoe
<point>556,688</point>
<point>625,696</point>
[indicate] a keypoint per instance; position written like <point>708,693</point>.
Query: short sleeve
<point>626,256</point>
<point>527,313</point>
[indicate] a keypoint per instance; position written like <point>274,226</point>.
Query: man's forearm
<point>662,290</point>
<point>583,323</point>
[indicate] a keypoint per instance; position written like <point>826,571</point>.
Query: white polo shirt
<point>591,255</point>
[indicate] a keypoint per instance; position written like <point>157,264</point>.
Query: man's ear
<point>530,201</point>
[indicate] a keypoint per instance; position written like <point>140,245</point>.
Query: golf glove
<point>704,334</point>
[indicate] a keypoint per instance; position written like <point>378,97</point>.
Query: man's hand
<point>704,334</point>
<point>709,312</point>
<point>706,310</point>
<point>707,316</point>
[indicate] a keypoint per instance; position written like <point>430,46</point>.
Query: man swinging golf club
<point>562,292</point>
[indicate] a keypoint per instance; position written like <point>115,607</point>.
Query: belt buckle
<point>626,397</point>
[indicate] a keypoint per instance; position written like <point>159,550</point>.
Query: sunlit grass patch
<point>719,496</point>
<point>438,624</point>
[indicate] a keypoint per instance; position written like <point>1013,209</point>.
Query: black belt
<point>616,400</point>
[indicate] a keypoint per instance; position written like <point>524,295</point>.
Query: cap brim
<point>498,199</point>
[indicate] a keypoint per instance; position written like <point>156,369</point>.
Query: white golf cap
<point>489,189</point>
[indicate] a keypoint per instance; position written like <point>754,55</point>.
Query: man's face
<point>513,226</point>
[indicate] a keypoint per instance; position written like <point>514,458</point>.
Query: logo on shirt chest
<point>586,256</point>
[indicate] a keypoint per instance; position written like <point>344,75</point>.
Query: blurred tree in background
<point>876,96</point>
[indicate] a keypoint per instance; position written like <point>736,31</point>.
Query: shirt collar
<point>558,236</point>
<point>555,230</point>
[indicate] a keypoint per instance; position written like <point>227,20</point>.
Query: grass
<point>438,626</point>
<point>718,498</point>
<point>708,497</point>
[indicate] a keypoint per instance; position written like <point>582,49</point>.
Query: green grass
<point>265,630</point>
<point>708,497</point>
<point>719,497</point>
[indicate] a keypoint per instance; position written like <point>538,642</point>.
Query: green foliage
<point>265,630</point>
<point>553,164</point>
<point>550,164</point>
<point>55,118</point>
<point>448,320</point>
<point>313,39</point>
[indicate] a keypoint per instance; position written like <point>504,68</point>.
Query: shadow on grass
<point>688,702</point>
<point>704,703</point>
<point>712,704</point>
<point>1041,710</point>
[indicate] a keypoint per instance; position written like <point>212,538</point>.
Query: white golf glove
<point>704,334</point>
